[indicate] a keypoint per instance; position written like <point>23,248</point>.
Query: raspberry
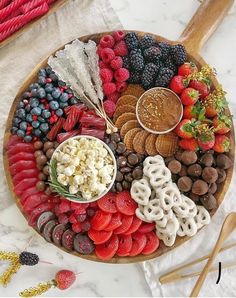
<point>64,206</point>
<point>106,75</point>
<point>99,49</point>
<point>76,227</point>
<point>114,96</point>
<point>109,107</point>
<point>121,49</point>
<point>118,35</point>
<point>116,62</point>
<point>121,75</point>
<point>107,55</point>
<point>72,219</point>
<point>107,41</point>
<point>121,86</point>
<point>63,218</point>
<point>109,88</point>
<point>102,64</point>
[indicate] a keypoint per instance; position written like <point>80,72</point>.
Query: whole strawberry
<point>202,87</point>
<point>190,112</point>
<point>178,84</point>
<point>215,103</point>
<point>185,129</point>
<point>206,140</point>
<point>189,96</point>
<point>64,279</point>
<point>222,124</point>
<point>189,144</point>
<point>222,144</point>
<point>187,68</point>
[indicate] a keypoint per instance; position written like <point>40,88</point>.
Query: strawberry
<point>202,87</point>
<point>190,112</point>
<point>206,140</point>
<point>222,144</point>
<point>215,102</point>
<point>64,279</point>
<point>189,144</point>
<point>222,124</point>
<point>177,84</point>
<point>185,129</point>
<point>189,96</point>
<point>187,68</point>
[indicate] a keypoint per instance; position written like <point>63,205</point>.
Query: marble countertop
<point>163,17</point>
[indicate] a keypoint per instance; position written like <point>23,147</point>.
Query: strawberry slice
<point>34,200</point>
<point>22,165</point>
<point>24,184</point>
<point>134,226</point>
<point>146,227</point>
<point>31,173</point>
<point>100,220</point>
<point>152,243</point>
<point>108,249</point>
<point>30,191</point>
<point>13,140</point>
<point>21,156</point>
<point>125,245</point>
<point>99,237</point>
<point>126,224</point>
<point>108,203</point>
<point>125,204</point>
<point>139,242</point>
<point>114,223</point>
<point>20,147</point>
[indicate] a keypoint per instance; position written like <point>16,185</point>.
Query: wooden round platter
<point>199,29</point>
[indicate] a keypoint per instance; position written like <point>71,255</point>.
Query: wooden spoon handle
<point>204,22</point>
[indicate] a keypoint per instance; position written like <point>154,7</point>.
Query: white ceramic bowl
<point>114,162</point>
<point>154,131</point>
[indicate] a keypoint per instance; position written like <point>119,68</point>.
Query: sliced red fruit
<point>24,184</point>
<point>20,147</point>
<point>21,156</point>
<point>108,203</point>
<point>125,245</point>
<point>125,204</point>
<point>79,208</point>
<point>31,173</point>
<point>108,249</point>
<point>30,191</point>
<point>34,200</point>
<point>115,222</point>
<point>152,243</point>
<point>100,220</point>
<point>126,224</point>
<point>47,206</point>
<point>14,139</point>
<point>134,226</point>
<point>146,227</point>
<point>99,237</point>
<point>139,242</point>
<point>22,165</point>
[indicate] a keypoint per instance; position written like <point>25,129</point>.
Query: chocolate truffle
<point>223,161</point>
<point>178,154</point>
<point>200,187</point>
<point>169,159</point>
<point>194,170</point>
<point>212,188</point>
<point>183,171</point>
<point>209,174</point>
<point>194,197</point>
<point>184,184</point>
<point>188,157</point>
<point>221,175</point>
<point>209,201</point>
<point>207,160</point>
<point>174,166</point>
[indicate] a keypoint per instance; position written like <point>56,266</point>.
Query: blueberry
<point>20,133</point>
<point>61,83</point>
<point>41,93</point>
<point>59,112</point>
<point>23,125</point>
<point>69,90</point>
<point>48,88</point>
<point>63,105</point>
<point>36,111</point>
<point>54,77</point>
<point>44,127</point>
<point>14,130</point>
<point>21,113</point>
<point>20,105</point>
<point>27,108</point>
<point>26,95</point>
<point>41,119</point>
<point>54,105</point>
<point>29,118</point>
<point>34,86</point>
<point>37,132</point>
<point>34,92</point>
<point>41,80</point>
<point>28,139</point>
<point>41,106</point>
<point>34,102</point>
<point>35,124</point>
<point>64,97</point>
<point>49,97</point>
<point>56,93</point>
<point>46,114</point>
<point>42,72</point>
<point>73,100</point>
<point>48,69</point>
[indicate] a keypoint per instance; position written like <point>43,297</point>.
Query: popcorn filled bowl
<point>82,169</point>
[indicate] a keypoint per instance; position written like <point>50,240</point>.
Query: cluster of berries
<point>111,49</point>
<point>151,63</point>
<point>205,120</point>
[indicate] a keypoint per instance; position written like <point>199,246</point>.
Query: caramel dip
<point>159,110</point>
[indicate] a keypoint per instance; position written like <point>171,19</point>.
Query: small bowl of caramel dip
<point>159,110</point>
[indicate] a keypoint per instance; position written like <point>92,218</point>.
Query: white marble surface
<point>167,18</point>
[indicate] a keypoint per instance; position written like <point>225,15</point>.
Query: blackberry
<point>152,54</point>
<point>27,258</point>
<point>131,40</point>
<point>165,49</point>
<point>164,77</point>
<point>135,78</point>
<point>146,41</point>
<point>136,60</point>
<point>125,60</point>
<point>179,54</point>
<point>169,63</point>
<point>149,74</point>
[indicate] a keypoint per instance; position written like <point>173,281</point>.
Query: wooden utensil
<point>177,273</point>
<point>205,21</point>
<point>227,228</point>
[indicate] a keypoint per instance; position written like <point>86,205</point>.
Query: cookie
<point>67,239</point>
<point>127,100</point>
<point>57,233</point>
<point>122,119</point>
<point>44,218</point>
<point>139,141</point>
<point>167,144</point>
<point>48,228</point>
<point>129,136</point>
<point>150,145</point>
<point>123,109</point>
<point>134,89</point>
<point>128,126</point>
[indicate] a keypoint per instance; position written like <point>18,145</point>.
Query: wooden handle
<point>205,21</point>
